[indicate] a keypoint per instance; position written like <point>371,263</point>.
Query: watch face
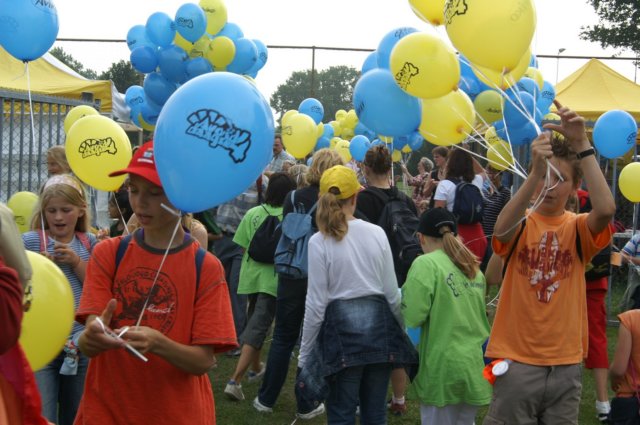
<point>500,368</point>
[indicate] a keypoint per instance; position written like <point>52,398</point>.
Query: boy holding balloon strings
<point>183,313</point>
<point>541,320</point>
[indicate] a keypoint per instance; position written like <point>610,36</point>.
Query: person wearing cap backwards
<point>444,295</point>
<point>352,310</point>
<point>187,317</point>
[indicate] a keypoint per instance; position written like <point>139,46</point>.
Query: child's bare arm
<point>621,357</point>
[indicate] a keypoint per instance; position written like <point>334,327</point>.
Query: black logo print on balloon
<point>220,132</point>
<point>453,8</point>
<point>96,147</point>
<point>403,77</point>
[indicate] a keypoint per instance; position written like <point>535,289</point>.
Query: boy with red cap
<point>174,311</point>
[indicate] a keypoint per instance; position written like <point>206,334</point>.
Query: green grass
<point>233,412</point>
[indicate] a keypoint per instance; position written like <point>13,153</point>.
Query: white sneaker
<point>310,415</point>
<point>256,376</point>
<point>261,407</point>
<point>234,391</point>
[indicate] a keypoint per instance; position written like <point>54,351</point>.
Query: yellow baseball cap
<point>339,180</point>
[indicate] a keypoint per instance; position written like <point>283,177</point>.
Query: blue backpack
<point>468,205</point>
<point>291,259</point>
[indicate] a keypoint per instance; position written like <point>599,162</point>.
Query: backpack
<point>400,224</point>
<point>262,247</point>
<point>291,259</point>
<point>468,204</point>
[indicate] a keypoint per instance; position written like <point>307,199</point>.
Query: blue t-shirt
<point>631,247</point>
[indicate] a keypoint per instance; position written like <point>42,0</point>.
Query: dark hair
<point>279,185</point>
<point>378,159</point>
<point>440,150</point>
<point>460,165</point>
<point>121,197</point>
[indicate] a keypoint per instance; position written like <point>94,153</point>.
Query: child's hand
<point>540,153</point>
<point>64,254</point>
<point>572,127</point>
<point>93,339</point>
<point>142,338</point>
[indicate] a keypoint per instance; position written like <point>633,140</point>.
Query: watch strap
<point>585,153</point>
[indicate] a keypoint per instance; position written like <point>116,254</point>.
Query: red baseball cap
<point>142,164</point>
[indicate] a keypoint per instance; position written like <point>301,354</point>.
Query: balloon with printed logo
<point>358,147</point>
<point>503,80</point>
<point>500,155</point>
<point>383,106</point>
<point>431,11</point>
<point>161,29</point>
<point>628,182</point>
<point>231,30</point>
<point>614,133</point>
<point>158,88</point>
<point>447,120</point>
<point>216,13</point>
<point>134,98</point>
<point>342,147</point>
<point>190,22</point>
<point>95,147</point>
<point>488,105</point>
<point>137,37</point>
<point>546,96</point>
<point>286,116</point>
<point>144,59</point>
<point>299,135</point>
<point>371,62</point>
<point>491,35</point>
<point>528,85</point>
<point>424,66</point>
<point>490,136</point>
<point>221,52</point>
<point>172,61</point>
<point>197,66</point>
<point>388,42</point>
<point>42,338</point>
<point>28,28</point>
<point>313,108</point>
<point>535,74</point>
<point>22,204</point>
<point>199,48</point>
<point>201,140</point>
<point>76,113</point>
<point>263,55</point>
<point>415,141</point>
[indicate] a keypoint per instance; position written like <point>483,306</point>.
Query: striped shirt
<point>632,247</point>
<point>493,204</point>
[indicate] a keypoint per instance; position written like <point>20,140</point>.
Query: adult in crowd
<point>440,155</point>
<point>422,188</point>
<point>280,156</point>
<point>496,197</point>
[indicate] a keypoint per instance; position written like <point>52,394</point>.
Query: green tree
<point>618,25</point>
<point>333,87</point>
<point>122,74</point>
<point>71,62</point>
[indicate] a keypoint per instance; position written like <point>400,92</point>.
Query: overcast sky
<point>331,23</point>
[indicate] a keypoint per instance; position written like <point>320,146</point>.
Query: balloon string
<point>33,128</point>
<point>126,229</point>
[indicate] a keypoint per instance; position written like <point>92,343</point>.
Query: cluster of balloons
<point>171,51</point>
<point>28,28</point>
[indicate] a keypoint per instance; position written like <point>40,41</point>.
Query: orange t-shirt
<point>631,320</point>
<point>120,389</point>
<point>542,313</point>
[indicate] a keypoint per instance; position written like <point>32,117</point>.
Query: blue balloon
<point>323,142</point>
<point>210,148</point>
<point>313,108</point>
<point>231,30</point>
<point>522,135</point>
<point>469,86</point>
<point>546,96</point>
<point>144,59</point>
<point>263,54</point>
<point>137,37</point>
<point>157,88</point>
<point>329,132</point>
<point>28,28</point>
<point>358,147</point>
<point>191,22</point>
<point>246,56</point>
<point>197,66</point>
<point>416,141</point>
<point>614,133</point>
<point>414,335</point>
<point>401,141</point>
<point>371,62</point>
<point>533,62</point>
<point>528,85</point>
<point>519,108</point>
<point>150,113</point>
<point>172,63</point>
<point>161,29</point>
<point>309,161</point>
<point>388,42</point>
<point>465,68</point>
<point>375,142</point>
<point>134,97</point>
<point>383,106</point>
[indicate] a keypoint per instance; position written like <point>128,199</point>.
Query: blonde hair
<point>461,256</point>
<point>69,194</point>
<point>58,155</point>
<point>322,161</point>
<point>330,217</point>
<point>299,174</point>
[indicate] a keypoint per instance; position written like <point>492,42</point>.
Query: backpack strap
<point>84,240</point>
<point>200,254</point>
<point>513,247</point>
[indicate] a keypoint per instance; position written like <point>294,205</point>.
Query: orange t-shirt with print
<point>631,320</point>
<point>542,313</point>
<point>120,389</point>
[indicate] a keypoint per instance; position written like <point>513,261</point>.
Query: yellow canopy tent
<point>595,89</point>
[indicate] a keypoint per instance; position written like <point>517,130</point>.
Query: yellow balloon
<point>489,105</point>
<point>499,155</point>
<point>221,52</point>
<point>406,149</point>
<point>431,11</point>
<point>337,129</point>
<point>340,114</point>
<point>491,34</point>
<point>180,41</point>
<point>553,117</point>
<point>47,323</point>
<point>145,125</point>
<point>351,119</point>
<point>628,181</point>
<point>95,147</point>
<point>200,48</point>
<point>490,136</point>
<point>535,75</point>
<point>499,79</point>
<point>386,139</point>
<point>334,142</point>
<point>347,133</point>
<point>424,66</point>
<point>342,147</point>
<point>22,204</point>
<point>396,155</point>
<point>320,130</point>
<point>76,113</point>
<point>286,116</point>
<point>447,120</point>
<point>299,135</point>
<point>216,13</point>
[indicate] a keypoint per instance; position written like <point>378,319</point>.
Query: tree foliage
<point>122,74</point>
<point>71,62</point>
<point>333,87</point>
<point>618,25</point>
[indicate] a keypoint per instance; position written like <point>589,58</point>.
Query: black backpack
<point>468,205</point>
<point>262,247</point>
<point>400,224</point>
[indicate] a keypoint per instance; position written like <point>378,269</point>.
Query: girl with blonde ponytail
<point>444,295</point>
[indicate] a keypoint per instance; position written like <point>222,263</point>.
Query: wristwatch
<point>585,153</point>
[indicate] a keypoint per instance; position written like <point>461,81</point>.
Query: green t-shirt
<point>254,276</point>
<point>450,309</point>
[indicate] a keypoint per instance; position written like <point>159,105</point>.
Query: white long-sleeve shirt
<point>359,265</point>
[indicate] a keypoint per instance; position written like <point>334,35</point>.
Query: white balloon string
<point>126,229</point>
<point>33,128</point>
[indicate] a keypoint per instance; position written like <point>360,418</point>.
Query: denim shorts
<point>262,310</point>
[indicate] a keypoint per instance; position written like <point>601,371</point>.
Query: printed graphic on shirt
<point>458,287</point>
<point>131,292</point>
<point>545,266</point>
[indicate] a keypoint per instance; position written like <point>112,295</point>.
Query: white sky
<point>330,23</point>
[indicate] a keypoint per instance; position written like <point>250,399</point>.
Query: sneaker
<point>397,409</point>
<point>233,353</point>
<point>261,407</point>
<point>603,417</point>
<point>310,415</point>
<point>256,376</point>
<point>234,391</point>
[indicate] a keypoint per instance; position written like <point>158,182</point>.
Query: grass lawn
<point>233,412</point>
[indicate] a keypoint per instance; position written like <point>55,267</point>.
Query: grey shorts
<point>261,311</point>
